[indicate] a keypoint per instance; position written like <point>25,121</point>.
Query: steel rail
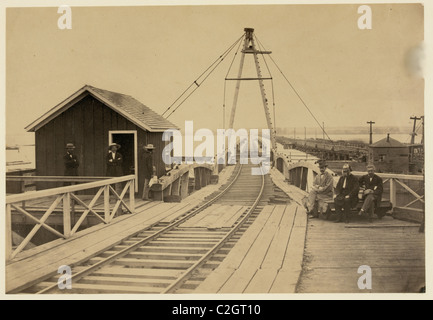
<point>179,281</point>
<point>132,247</point>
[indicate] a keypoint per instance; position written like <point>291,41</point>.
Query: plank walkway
<point>393,249</point>
<point>267,258</point>
<point>216,217</point>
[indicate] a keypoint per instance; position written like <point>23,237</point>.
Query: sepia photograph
<point>206,150</point>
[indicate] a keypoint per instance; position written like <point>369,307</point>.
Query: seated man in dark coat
<point>346,194</point>
<point>373,189</point>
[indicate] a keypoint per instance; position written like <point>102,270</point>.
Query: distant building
<point>91,119</point>
<point>389,155</point>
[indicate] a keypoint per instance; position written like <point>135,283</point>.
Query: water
<point>21,158</point>
<point>365,138</point>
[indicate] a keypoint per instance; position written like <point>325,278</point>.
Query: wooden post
<point>67,214</point>
<point>132,195</point>
<point>8,232</point>
<point>107,203</point>
<point>392,192</point>
<point>197,182</point>
<point>175,188</point>
<point>184,185</point>
<point>167,191</point>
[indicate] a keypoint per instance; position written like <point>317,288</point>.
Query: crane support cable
<point>198,82</point>
<point>303,102</point>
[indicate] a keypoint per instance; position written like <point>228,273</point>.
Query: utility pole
<point>412,140</point>
<point>422,138</point>
<point>371,130</point>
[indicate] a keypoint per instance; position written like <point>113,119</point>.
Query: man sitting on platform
<point>321,192</point>
<point>346,194</point>
<point>373,189</point>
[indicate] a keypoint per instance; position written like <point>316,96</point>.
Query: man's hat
<point>322,163</point>
<point>70,146</point>
<point>114,144</point>
<point>149,147</point>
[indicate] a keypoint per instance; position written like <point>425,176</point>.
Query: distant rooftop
<point>388,142</point>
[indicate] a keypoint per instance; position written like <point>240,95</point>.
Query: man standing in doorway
<point>114,164</point>
<point>148,169</point>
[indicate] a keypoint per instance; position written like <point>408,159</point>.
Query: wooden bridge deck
<point>393,249</point>
<point>31,267</point>
<point>281,252</point>
<point>267,258</point>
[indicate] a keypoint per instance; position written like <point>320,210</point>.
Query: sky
<point>345,75</point>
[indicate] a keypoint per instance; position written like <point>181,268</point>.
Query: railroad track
<point>168,258</point>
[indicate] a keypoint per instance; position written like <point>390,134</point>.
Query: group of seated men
<point>346,193</point>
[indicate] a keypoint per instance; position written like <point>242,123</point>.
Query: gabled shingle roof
<point>129,107</point>
<point>388,143</point>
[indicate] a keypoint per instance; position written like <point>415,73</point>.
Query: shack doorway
<point>128,149</point>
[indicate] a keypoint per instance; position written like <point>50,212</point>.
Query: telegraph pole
<point>371,130</point>
<point>412,140</point>
<point>422,139</point>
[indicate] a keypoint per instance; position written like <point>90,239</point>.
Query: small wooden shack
<point>389,155</point>
<point>91,119</point>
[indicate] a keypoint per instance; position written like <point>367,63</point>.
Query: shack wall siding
<point>87,124</point>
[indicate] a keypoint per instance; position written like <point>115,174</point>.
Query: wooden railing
<point>401,193</point>
<point>405,192</point>
<point>64,196</point>
<point>174,186</point>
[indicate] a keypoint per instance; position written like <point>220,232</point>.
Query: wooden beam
<point>175,187</point>
<point>37,221</point>
<point>416,195</point>
<point>37,227</point>
<point>8,231</point>
<point>55,178</point>
<point>184,185</point>
<point>107,203</point>
<point>61,190</point>
<point>67,215</point>
<point>392,192</point>
<point>132,196</point>
<point>88,209</point>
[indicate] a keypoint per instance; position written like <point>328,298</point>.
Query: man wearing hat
<point>321,192</point>
<point>71,161</point>
<point>373,189</point>
<point>148,169</point>
<point>114,162</point>
<point>346,194</point>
